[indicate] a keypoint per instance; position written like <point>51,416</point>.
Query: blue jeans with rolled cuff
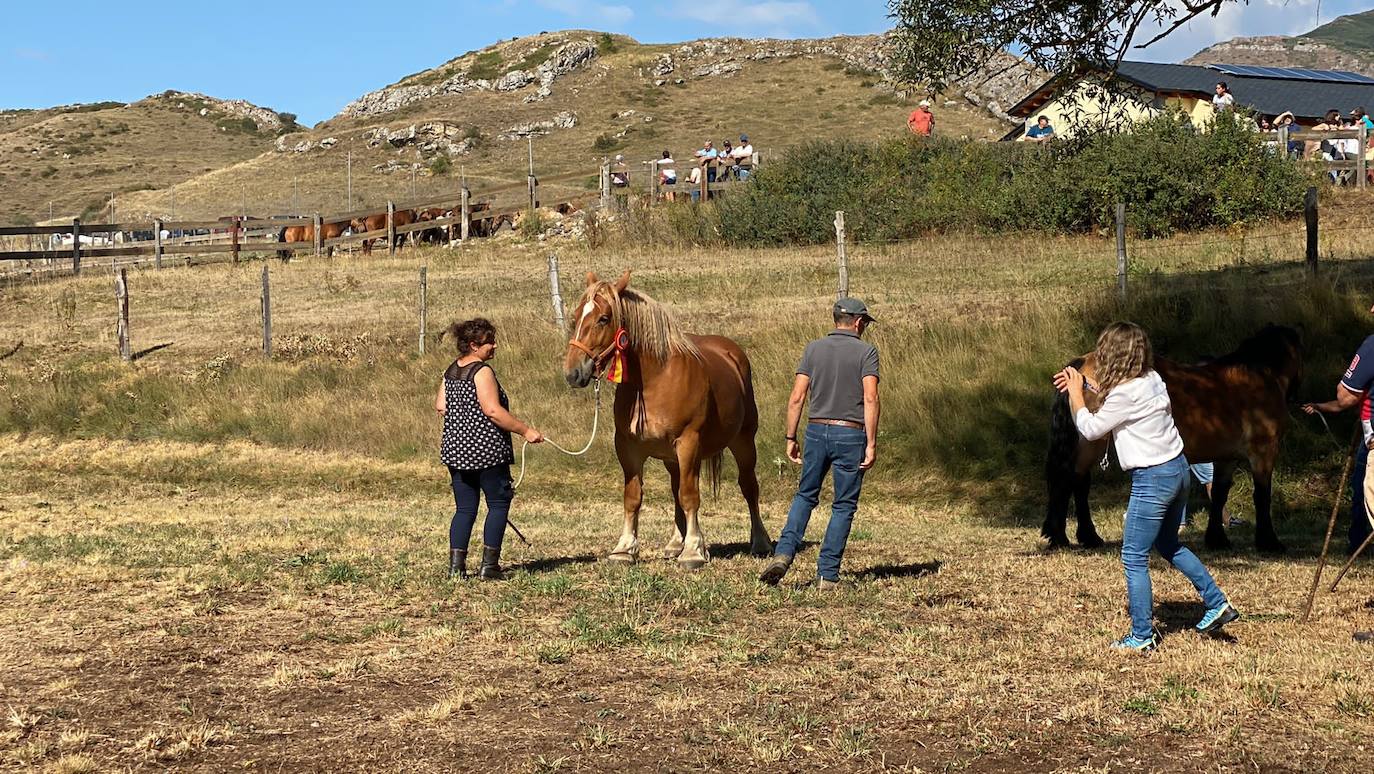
<point>468,485</point>
<point>839,451</point>
<point>1159,494</point>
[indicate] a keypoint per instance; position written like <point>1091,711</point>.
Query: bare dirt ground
<point>275,626</point>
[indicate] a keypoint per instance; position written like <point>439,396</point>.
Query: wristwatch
<point>789,437</point>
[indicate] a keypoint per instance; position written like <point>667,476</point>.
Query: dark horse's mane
<point>1270,349</point>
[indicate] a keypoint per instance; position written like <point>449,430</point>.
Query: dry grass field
<point>210,561</point>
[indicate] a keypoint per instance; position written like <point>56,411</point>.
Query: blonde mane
<point>652,329</point>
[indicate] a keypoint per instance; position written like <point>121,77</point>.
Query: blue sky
<point>311,58</point>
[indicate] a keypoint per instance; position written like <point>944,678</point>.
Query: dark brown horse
<point>1229,411</point>
<point>378,223</point>
<point>307,234</point>
<point>684,399</point>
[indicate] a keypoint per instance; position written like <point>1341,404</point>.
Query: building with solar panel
<point>1269,91</point>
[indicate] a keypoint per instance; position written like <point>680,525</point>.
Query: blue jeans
<point>1158,496</point>
<point>468,485</point>
<point>1359,519</point>
<point>827,448</point>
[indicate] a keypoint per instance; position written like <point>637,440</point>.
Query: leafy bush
<point>605,143</point>
<point>441,165</point>
<point>244,125</point>
<point>606,44</point>
<point>1171,177</point>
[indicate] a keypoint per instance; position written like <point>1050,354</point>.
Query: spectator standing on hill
<point>476,446</point>
<point>839,376</point>
<point>1041,132</point>
<point>921,121</point>
<point>1135,410</point>
<point>1222,99</point>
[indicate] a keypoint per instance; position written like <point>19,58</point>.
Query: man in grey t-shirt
<point>839,373</point>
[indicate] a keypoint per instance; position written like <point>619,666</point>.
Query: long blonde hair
<point>1123,353</point>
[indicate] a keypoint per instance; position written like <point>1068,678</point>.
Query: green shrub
<point>243,125</point>
<point>1171,176</point>
<point>486,66</point>
<point>441,165</point>
<point>605,143</point>
<point>606,44</point>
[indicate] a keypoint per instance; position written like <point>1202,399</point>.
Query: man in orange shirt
<point>921,121</point>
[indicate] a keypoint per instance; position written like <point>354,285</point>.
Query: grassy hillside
<point>1354,32</point>
<point>620,106</point>
<point>74,157</point>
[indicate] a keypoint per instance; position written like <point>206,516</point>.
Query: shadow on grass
<point>555,562</point>
<point>734,551</point>
<point>987,433</point>
<point>1176,617</point>
<point>912,570</point>
<point>142,353</point>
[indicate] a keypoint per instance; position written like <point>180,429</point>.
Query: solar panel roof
<point>1293,73</point>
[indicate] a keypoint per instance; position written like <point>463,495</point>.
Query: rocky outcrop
<point>570,55</point>
<point>207,106</point>
<point>1282,51</point>
<point>564,120</point>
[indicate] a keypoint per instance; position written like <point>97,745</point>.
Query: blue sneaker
<point>1133,643</point>
<point>1217,617</point>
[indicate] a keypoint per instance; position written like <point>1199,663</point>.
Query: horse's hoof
<point>692,564</point>
<point>1218,541</point>
<point>1092,540</point>
<point>1056,541</point>
<point>622,557</point>
<point>762,551</point>
<point>672,553</point>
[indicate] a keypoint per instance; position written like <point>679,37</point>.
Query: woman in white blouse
<point>1134,408</point>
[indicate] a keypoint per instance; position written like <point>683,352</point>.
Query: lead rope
<point>596,417</point>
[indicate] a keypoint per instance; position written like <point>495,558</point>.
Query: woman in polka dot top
<point>476,446</point>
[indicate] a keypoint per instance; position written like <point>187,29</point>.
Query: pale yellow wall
<point>1087,104</point>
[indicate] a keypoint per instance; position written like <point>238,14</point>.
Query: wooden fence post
<point>1310,214</point>
<point>234,237</point>
<point>1283,141</point>
<point>705,185</point>
<point>840,255</point>
<point>530,181</point>
<point>1121,251</point>
<point>266,315</point>
<point>466,226</point>
<point>319,235</point>
<point>76,247</point>
<point>424,305</point>
<point>1361,165</point>
<point>605,185</point>
<point>122,330</point>
<point>555,296</point>
<point>390,228</point>
<point>653,181</point>
<point>157,243</point>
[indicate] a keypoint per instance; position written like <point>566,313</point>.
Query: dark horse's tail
<point>1061,475</point>
<point>285,255</point>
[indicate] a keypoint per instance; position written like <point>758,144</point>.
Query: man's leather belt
<point>837,423</point>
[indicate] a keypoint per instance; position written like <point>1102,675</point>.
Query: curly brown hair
<point>470,334</point>
<point>1123,353</point>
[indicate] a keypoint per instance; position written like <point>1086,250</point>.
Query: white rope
<point>596,417</point>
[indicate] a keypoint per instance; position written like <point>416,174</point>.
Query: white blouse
<point>1140,418</point>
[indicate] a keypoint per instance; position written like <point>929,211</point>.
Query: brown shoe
<point>776,568</point>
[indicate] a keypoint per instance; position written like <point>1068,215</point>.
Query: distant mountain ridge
<point>1344,44</point>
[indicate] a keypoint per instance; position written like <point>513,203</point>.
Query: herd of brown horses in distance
<point>480,227</point>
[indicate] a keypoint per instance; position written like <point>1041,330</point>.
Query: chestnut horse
<point>307,234</point>
<point>378,223</point>
<point>684,399</point>
<point>1228,411</point>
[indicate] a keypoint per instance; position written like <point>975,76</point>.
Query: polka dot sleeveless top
<point>471,441</point>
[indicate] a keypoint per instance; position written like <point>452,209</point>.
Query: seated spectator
<point>667,175</point>
<point>1041,132</point>
<point>744,157</point>
<point>1222,99</point>
<point>620,174</point>
<point>726,161</point>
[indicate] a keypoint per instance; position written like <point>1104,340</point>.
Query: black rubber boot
<point>457,564</point>
<point>491,564</point>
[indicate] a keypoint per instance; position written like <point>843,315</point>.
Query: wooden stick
<point>266,315</point>
<point>1331,525</point>
<point>840,257</point>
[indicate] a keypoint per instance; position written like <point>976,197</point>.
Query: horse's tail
<point>713,468</point>
<point>1060,463</point>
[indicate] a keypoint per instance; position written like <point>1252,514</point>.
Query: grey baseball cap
<point>855,307</point>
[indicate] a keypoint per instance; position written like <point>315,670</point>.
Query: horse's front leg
<point>1262,472</point>
<point>632,465</point>
<point>1224,472</point>
<point>694,554</point>
<point>673,548</point>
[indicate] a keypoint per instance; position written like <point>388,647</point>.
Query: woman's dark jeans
<point>495,483</point>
